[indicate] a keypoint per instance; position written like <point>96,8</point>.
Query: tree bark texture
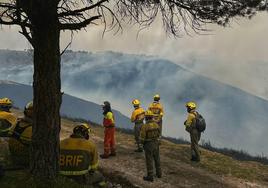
<point>46,90</point>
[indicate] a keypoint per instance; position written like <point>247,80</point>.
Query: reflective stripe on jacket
<point>157,109</point>
<point>149,132</point>
<point>77,156</point>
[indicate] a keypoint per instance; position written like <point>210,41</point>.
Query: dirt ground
<point>129,166</point>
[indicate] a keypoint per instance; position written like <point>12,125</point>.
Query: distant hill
<point>235,118</point>
<point>71,106</point>
<point>127,169</point>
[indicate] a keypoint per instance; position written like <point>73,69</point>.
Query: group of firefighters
<point>78,154</point>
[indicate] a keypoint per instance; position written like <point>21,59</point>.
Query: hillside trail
<point>129,166</point>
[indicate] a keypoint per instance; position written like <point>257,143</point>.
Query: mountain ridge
<point>29,52</point>
<point>236,119</point>
<point>21,94</point>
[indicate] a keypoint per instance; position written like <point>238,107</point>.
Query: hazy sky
<point>237,55</point>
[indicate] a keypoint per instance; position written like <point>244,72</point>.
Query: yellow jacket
<point>108,120</point>
<point>7,120</point>
<point>138,115</point>
<point>157,109</point>
<point>77,156</point>
<point>189,123</point>
<point>149,132</point>
<point>20,140</point>
<point>22,130</point>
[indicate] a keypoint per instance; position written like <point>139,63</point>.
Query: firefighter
<point>138,118</point>
<point>7,119</point>
<point>150,133</point>
<point>191,128</point>
<point>79,158</point>
<point>21,137</point>
<point>158,111</point>
<point>109,131</point>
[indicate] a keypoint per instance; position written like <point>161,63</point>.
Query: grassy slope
<point>212,162</point>
<point>220,164</point>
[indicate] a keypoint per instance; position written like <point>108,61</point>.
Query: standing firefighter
<point>138,118</point>
<point>150,134</point>
<point>191,126</point>
<point>7,119</point>
<point>158,111</point>
<point>21,137</point>
<point>79,158</point>
<point>109,131</point>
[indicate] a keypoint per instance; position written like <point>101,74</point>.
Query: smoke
<point>235,118</point>
<point>234,55</point>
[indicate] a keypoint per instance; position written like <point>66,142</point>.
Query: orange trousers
<point>109,141</point>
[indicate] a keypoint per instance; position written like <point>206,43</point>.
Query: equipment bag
<point>200,122</point>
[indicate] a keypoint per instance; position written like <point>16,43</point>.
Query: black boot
<point>103,156</point>
<point>2,172</point>
<point>195,159</point>
<point>148,178</point>
<point>159,175</point>
<point>139,150</point>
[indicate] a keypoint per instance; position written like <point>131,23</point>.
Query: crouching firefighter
<point>7,119</point>
<point>150,133</point>
<point>79,158</point>
<point>21,138</point>
<point>138,118</point>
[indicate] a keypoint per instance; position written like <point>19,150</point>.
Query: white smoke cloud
<point>236,55</point>
<point>235,119</point>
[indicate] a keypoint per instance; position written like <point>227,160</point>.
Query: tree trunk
<point>47,99</point>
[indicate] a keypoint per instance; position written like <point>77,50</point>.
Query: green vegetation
<point>221,162</point>
<point>212,162</point>
<point>235,154</point>
<point>217,163</point>
<point>22,178</point>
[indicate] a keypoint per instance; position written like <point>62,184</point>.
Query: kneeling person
<point>21,138</point>
<point>7,118</point>
<point>79,158</point>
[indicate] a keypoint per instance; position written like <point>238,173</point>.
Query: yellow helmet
<point>29,105</point>
<point>82,129</point>
<point>191,105</point>
<point>136,102</point>
<point>157,97</point>
<point>28,110</point>
<point>5,102</point>
<point>149,113</point>
<point>86,126</point>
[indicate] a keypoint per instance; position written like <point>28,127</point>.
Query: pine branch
<point>82,10</point>
<point>79,25</point>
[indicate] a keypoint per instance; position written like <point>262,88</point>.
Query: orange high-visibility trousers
<point>109,141</point>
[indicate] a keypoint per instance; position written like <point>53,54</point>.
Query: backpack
<point>200,122</point>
